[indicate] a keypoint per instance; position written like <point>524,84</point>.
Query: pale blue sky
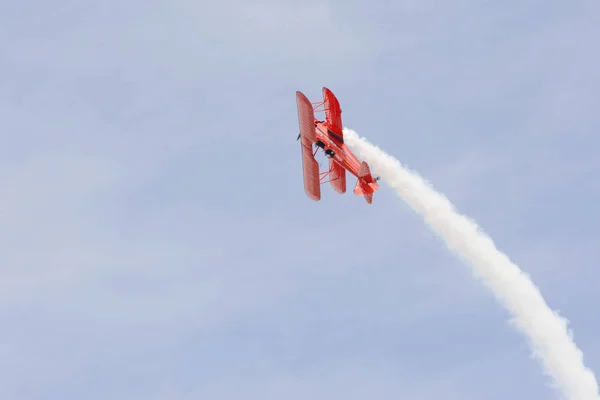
<point>156,241</point>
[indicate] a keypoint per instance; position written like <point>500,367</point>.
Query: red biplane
<point>328,136</point>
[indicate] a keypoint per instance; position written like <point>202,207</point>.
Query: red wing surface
<point>337,176</point>
<point>363,170</point>
<point>308,136</point>
<point>333,113</point>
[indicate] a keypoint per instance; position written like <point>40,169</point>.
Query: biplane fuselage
<point>335,149</point>
<point>328,136</point>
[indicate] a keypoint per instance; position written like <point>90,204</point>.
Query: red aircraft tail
<point>366,184</point>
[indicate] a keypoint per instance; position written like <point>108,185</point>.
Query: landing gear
<point>329,153</point>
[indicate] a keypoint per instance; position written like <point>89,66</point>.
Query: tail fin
<point>358,190</point>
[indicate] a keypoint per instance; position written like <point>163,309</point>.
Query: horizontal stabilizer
<point>358,189</point>
<point>366,185</point>
<point>363,170</point>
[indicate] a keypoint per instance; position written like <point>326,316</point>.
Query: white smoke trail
<point>549,336</point>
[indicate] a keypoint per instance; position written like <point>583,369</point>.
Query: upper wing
<point>333,113</point>
<point>308,135</point>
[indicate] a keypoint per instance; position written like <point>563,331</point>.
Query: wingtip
<point>301,97</point>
